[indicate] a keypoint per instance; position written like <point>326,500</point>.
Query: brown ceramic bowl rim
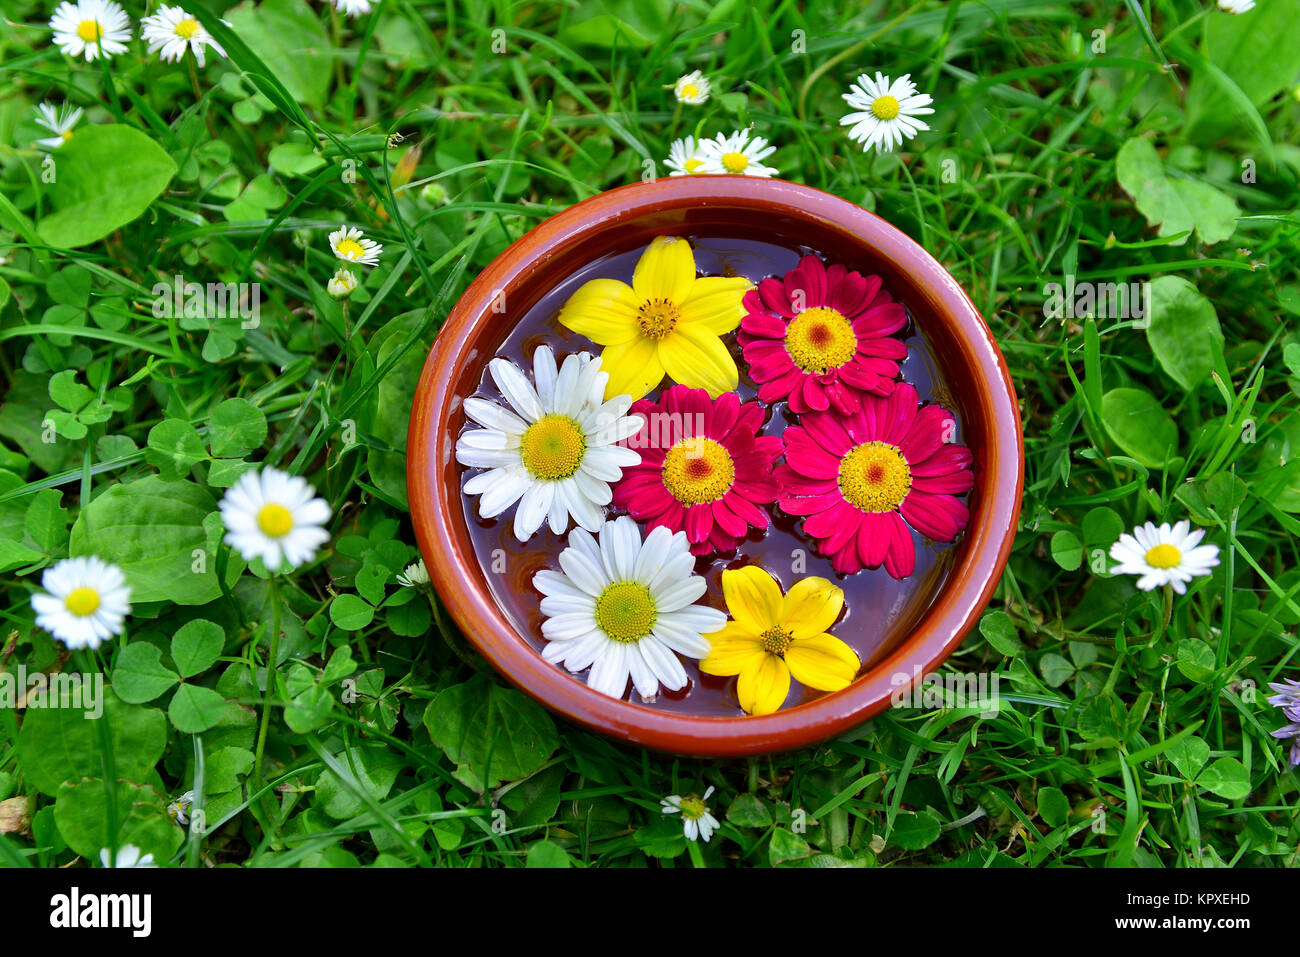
<point>437,510</point>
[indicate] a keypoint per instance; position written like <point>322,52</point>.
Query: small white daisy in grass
<point>59,121</point>
<point>179,809</point>
<point>341,284</point>
<point>1236,6</point>
<point>885,111</point>
<point>626,609</point>
<point>349,244</point>
<point>738,154</point>
<point>693,88</point>
<point>276,517</point>
<point>554,450</point>
<point>1164,556</point>
<point>172,31</point>
<point>685,157</point>
<point>353,8</point>
<point>128,855</point>
<point>697,822</point>
<point>415,575</point>
<point>90,28</point>
<point>85,602</point>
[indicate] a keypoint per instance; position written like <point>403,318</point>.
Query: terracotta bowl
<point>628,218</point>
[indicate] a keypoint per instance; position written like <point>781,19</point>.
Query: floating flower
<point>737,154</point>
<point>862,478</point>
<point>1164,556</point>
<point>414,576</point>
<point>820,337</point>
<point>90,28</point>
<point>625,608</point>
<point>172,31</point>
<point>704,469</point>
<point>1236,6</point>
<point>693,88</point>
<point>349,245</point>
<point>685,157</point>
<point>697,822</point>
<point>58,121</point>
<point>772,637</point>
<point>666,321</point>
<point>555,450</point>
<point>276,517</point>
<point>1288,700</point>
<point>85,602</point>
<point>126,856</point>
<point>353,8</point>
<point>885,112</point>
<point>341,284</point>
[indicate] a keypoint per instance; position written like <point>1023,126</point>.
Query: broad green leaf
<point>547,854</point>
<point>748,810</point>
<point>196,646</point>
<point>786,845</point>
<point>1055,669</point>
<point>914,831</point>
<point>174,448</point>
<point>662,837</point>
<point>351,612</point>
<point>1227,778</point>
<point>153,530</point>
<point>139,674</point>
<point>371,770</point>
<point>1139,426</point>
<point>235,428</point>
<point>1195,659</point>
<point>1183,331</point>
<point>1188,755</point>
<point>1000,632</point>
<point>46,521</point>
<point>1101,526</point>
<point>1053,806</point>
<point>1067,550</point>
<point>195,708</point>
<point>1176,204</point>
<point>287,35</point>
<point>308,709</point>
<point>296,159</point>
<point>63,744</point>
<point>140,819</point>
<point>107,176</point>
<point>499,733</point>
<point>15,555</point>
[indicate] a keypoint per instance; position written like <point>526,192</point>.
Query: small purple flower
<point>1288,699</point>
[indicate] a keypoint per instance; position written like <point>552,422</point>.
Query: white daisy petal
<point>275,516</point>
<point>85,601</point>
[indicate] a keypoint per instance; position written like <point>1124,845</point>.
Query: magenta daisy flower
<point>820,337</point>
<point>860,480</point>
<point>704,469</point>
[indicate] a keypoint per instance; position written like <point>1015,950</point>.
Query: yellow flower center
<point>275,521</point>
<point>187,28</point>
<point>875,477</point>
<point>776,641</point>
<point>552,447</point>
<point>694,808</point>
<point>884,108</point>
<point>67,135</point>
<point>819,339</point>
<point>693,165</point>
<point>1164,556</point>
<point>350,249</point>
<point>698,470</point>
<point>88,30</point>
<point>625,611</point>
<point>657,317</point>
<point>82,601</point>
<point>690,90</point>
<point>735,162</point>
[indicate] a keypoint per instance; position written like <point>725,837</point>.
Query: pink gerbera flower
<point>704,469</point>
<point>863,478</point>
<point>819,338</point>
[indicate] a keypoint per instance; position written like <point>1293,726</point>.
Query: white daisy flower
<point>625,608</point>
<point>342,284</point>
<point>179,809</point>
<point>696,819</point>
<point>276,517</point>
<point>127,856</point>
<point>58,121</point>
<point>353,8</point>
<point>885,111</point>
<point>349,245</point>
<point>737,153</point>
<point>85,602</point>
<point>172,31</point>
<point>693,88</point>
<point>555,450</point>
<point>685,157</point>
<point>1236,6</point>
<point>1164,555</point>
<point>414,576</point>
<point>90,28</point>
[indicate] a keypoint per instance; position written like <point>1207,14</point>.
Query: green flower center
<point>776,641</point>
<point>552,447</point>
<point>625,611</point>
<point>657,317</point>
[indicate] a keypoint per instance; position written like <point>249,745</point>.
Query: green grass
<point>1131,731</point>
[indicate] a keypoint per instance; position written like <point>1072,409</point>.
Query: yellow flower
<point>666,321</point>
<point>772,637</point>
